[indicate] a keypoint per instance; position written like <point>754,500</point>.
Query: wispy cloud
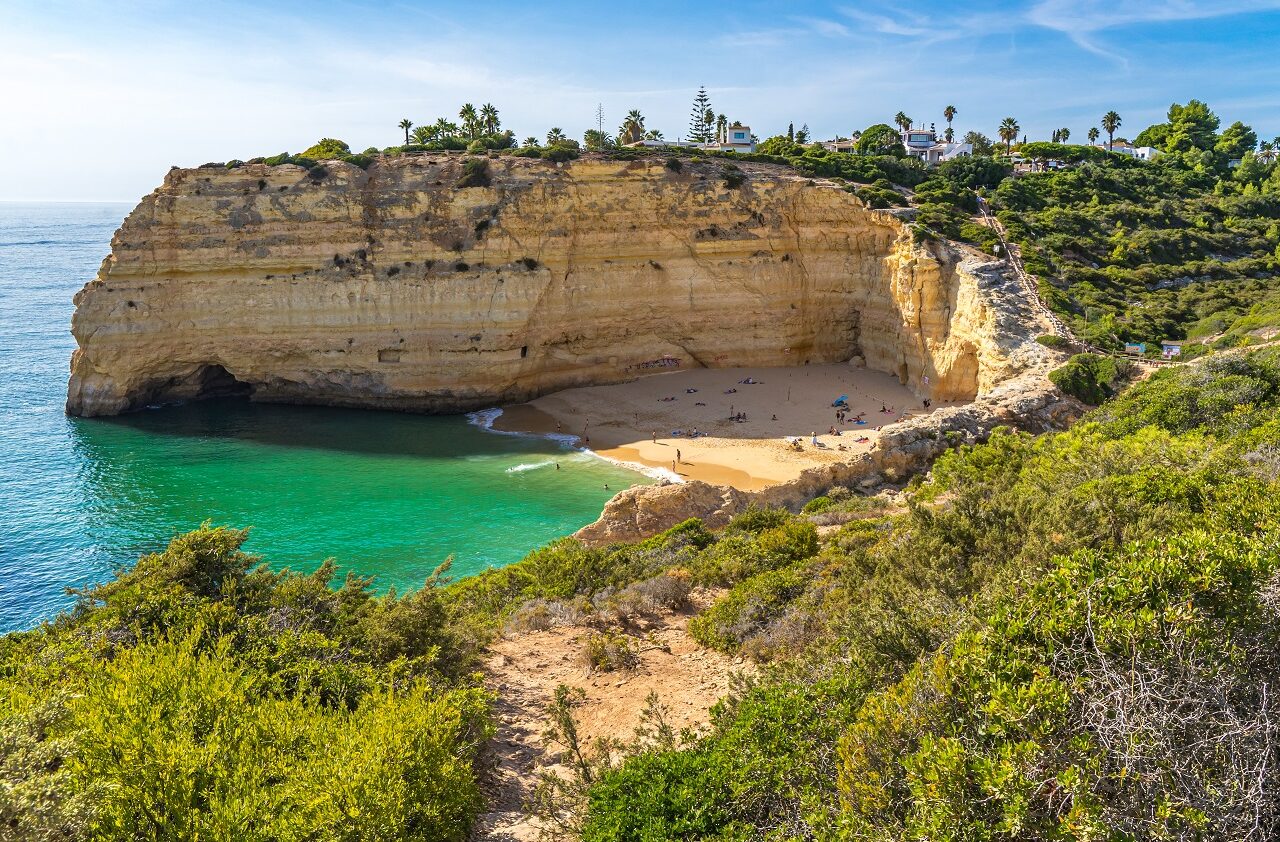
<point>1082,20</point>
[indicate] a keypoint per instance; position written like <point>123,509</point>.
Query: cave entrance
<point>214,381</point>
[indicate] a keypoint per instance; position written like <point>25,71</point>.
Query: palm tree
<point>444,128</point>
<point>406,124</point>
<point>722,124</point>
<point>708,120</point>
<point>1009,129</point>
<point>653,134</point>
<point>632,128</point>
<point>470,120</point>
<point>1267,152</point>
<point>903,121</point>
<point>556,135</point>
<point>949,113</point>
<point>424,134</point>
<point>489,116</point>
<point>529,142</point>
<point>1093,134</point>
<point>1064,135</point>
<point>1110,122</point>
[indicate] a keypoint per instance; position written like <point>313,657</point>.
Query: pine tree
<point>802,136</point>
<point>697,117</point>
<point>791,132</point>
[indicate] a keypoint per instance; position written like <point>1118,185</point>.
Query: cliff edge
<point>442,283</point>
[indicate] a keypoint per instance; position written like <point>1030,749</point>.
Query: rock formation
<point>398,288</point>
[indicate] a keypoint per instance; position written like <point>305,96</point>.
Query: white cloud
<point>1079,20</point>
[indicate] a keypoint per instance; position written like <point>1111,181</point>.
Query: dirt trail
<point>525,669</point>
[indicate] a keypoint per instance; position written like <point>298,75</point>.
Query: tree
<point>1267,152</point>
<point>444,128</point>
<point>556,135</point>
<point>1191,126</point>
<point>708,120</point>
<point>1008,132</point>
<point>632,128</point>
<point>880,139</point>
<point>1056,136</point>
<point>489,118</point>
<point>424,134</point>
<point>1110,122</point>
<point>802,136</point>
<point>595,140</point>
<point>470,120</point>
<point>1064,135</point>
<point>406,124</point>
<point>949,114</point>
<point>1093,134</point>
<point>698,117</point>
<point>902,121</point>
<point>981,143</point>
<point>949,135</point>
<point>722,123</point>
<point>529,142</point>
<point>653,134</point>
<point>1235,140</point>
<point>791,132</point>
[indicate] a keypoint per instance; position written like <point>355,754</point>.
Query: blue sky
<point>100,101</point>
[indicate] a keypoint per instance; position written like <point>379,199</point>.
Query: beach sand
<point>620,421</point>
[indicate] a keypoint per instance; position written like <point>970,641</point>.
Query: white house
<point>848,146</point>
<point>1142,153</point>
<point>924,144</point>
<point>737,138</point>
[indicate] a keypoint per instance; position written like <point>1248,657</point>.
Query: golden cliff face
<point>396,288</point>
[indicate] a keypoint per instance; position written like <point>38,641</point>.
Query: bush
<point>560,154</point>
<point>1089,378</point>
<point>733,177</point>
<point>747,609</point>
<point>674,164</point>
<point>475,173</point>
<point>1050,340</point>
<point>609,651</point>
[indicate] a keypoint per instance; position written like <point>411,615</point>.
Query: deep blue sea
<point>385,494</point>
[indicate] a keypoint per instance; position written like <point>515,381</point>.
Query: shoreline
<point>755,427</point>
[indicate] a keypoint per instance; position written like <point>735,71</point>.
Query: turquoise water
<point>385,494</point>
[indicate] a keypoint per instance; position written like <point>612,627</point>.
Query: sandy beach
<point>651,421</point>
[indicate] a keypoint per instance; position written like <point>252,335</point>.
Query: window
<point>739,136</point>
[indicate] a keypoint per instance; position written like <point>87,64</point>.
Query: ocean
<point>385,494</point>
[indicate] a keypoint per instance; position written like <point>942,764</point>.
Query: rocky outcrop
<point>398,288</point>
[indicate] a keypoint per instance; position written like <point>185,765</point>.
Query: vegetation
<point>967,669</point>
<point>201,695</point>
<point>1184,246</point>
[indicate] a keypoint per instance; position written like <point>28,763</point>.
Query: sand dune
<point>638,422</point>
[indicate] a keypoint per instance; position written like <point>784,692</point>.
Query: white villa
<point>1142,153</point>
<point>736,138</point>
<point>924,144</point>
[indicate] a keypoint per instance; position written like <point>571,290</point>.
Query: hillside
<point>947,663</point>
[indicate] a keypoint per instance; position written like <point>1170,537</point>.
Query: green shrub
<point>746,609</point>
<point>733,177</point>
<point>327,149</point>
<point>1050,340</point>
<point>609,650</point>
<point>818,504</point>
<point>475,173</point>
<point>559,154</point>
<point>674,164</point>
<point>1089,377</point>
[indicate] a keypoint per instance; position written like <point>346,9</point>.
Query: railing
<point>1031,289</point>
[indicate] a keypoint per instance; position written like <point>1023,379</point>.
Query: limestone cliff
<point>399,288</point>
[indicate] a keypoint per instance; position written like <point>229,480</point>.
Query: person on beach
<point>557,466</point>
<point>678,457</point>
<point>813,438</point>
<point>655,436</point>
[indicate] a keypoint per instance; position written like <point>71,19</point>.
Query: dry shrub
<point>541,614</point>
<point>608,651</point>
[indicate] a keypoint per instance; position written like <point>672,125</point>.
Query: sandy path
<point>636,421</point>
<point>526,669</point>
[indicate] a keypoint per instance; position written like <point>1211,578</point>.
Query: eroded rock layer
<point>400,288</point>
